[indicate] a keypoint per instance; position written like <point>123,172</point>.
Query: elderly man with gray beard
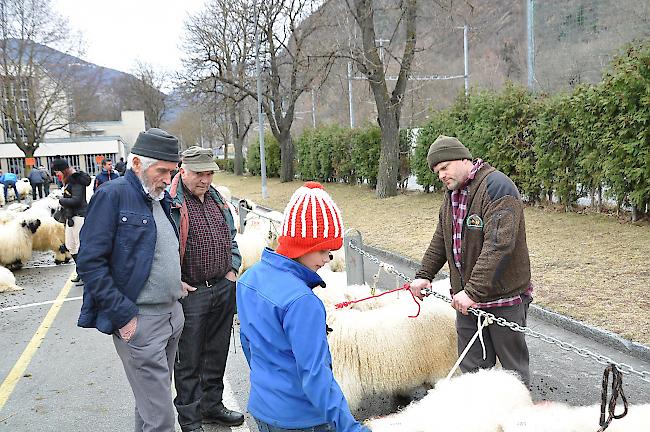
<point>129,259</point>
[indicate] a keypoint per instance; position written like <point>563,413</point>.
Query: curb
<point>605,337</point>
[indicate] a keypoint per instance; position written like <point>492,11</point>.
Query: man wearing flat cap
<point>482,235</point>
<point>209,260</point>
<point>129,260</point>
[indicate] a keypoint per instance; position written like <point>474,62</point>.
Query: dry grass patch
<point>588,266</point>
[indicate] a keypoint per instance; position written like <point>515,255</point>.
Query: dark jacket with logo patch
<point>494,258</point>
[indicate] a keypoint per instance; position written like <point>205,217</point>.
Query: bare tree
<point>35,79</point>
<point>372,63</point>
<point>217,45</point>
<point>287,28</point>
<point>144,89</point>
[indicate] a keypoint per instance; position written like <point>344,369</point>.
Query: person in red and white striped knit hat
<point>282,323</point>
<point>312,222</point>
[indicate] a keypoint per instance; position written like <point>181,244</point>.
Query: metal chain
<point>582,352</point>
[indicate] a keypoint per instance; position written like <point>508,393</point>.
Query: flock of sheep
<point>377,350</point>
<point>26,228</point>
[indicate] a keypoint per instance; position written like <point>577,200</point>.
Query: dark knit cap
<point>59,165</point>
<point>157,144</point>
<point>445,149</point>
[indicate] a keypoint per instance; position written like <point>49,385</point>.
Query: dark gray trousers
<point>500,342</point>
<point>203,351</point>
<point>148,360</point>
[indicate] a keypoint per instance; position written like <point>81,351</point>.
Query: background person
<point>9,180</point>
<point>36,181</point>
<point>106,174</point>
<point>73,203</point>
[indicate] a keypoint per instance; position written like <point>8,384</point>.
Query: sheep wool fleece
<point>285,343</point>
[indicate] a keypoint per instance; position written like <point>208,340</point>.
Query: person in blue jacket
<point>106,174</point>
<point>283,330</point>
<point>130,261</point>
<point>9,180</point>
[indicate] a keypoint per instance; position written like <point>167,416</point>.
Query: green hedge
<point>271,155</point>
<point>229,164</point>
<point>336,154</point>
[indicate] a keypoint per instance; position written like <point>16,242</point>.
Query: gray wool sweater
<point>163,288</point>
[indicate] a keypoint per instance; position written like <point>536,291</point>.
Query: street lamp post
<point>260,115</point>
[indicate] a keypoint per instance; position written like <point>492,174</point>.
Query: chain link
<point>566,346</point>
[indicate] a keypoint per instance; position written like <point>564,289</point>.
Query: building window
<point>16,166</point>
<point>16,106</point>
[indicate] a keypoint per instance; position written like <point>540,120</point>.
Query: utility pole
<point>260,115</point>
<point>313,108</point>
<point>466,58</point>
<point>350,95</point>
<point>530,19</point>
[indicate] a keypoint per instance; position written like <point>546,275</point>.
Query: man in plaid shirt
<point>210,260</point>
<point>482,235</point>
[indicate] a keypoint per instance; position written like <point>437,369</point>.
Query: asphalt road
<point>59,377</point>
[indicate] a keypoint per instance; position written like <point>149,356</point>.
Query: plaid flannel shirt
<point>208,252</point>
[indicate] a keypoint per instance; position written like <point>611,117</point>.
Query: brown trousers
<point>500,342</point>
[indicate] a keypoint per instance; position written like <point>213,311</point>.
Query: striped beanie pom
<point>312,222</point>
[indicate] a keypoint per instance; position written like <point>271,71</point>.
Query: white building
<point>87,144</point>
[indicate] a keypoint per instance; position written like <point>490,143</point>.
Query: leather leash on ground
<point>617,391</point>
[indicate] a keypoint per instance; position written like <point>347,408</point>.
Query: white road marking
<point>39,304</point>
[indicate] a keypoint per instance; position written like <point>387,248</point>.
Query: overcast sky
<point>119,32</point>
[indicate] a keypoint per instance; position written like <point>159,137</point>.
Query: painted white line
<point>39,304</point>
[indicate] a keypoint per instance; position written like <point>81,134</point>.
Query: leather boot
<point>77,278</point>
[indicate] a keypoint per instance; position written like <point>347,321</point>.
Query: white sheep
<point>338,291</point>
<point>24,188</point>
<point>558,417</point>
<point>17,207</point>
<point>7,280</point>
<point>227,197</point>
<point>337,263</point>
<point>224,191</point>
<point>16,237</point>
<point>50,235</point>
<point>268,226</point>
<point>472,402</point>
<point>378,350</point>
<point>250,245</point>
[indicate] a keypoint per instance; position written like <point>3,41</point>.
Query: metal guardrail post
<point>353,260</point>
<point>243,211</point>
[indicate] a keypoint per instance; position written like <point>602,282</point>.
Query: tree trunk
<point>599,207</point>
<point>389,159</point>
<point>286,157</point>
<point>29,153</point>
<point>239,156</point>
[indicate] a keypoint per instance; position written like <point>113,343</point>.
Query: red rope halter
<point>406,287</point>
